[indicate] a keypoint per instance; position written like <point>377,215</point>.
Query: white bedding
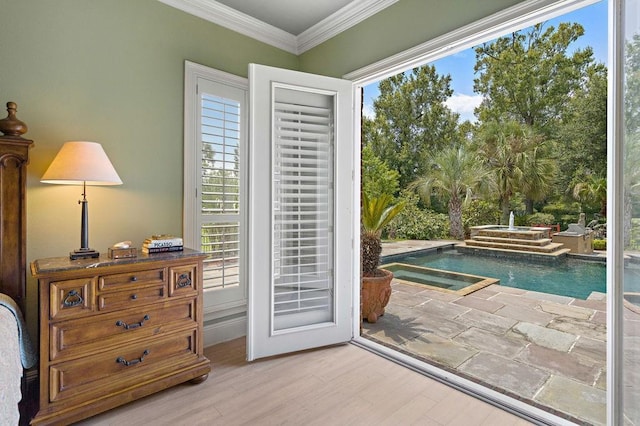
<point>10,368</point>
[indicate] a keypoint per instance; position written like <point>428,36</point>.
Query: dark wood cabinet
<point>14,156</point>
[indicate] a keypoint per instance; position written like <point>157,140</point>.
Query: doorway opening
<point>524,344</point>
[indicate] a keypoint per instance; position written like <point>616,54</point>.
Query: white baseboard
<point>224,331</point>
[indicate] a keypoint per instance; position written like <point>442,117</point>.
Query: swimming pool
<point>572,278</point>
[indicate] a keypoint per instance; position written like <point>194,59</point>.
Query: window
<point>220,190</point>
<point>214,203</point>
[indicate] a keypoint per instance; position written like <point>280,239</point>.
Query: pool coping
<point>392,258</point>
<point>595,257</point>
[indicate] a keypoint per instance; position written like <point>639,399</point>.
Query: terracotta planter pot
<point>374,295</point>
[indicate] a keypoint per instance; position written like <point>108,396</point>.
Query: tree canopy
<point>411,121</point>
<point>540,131</point>
<point>529,76</point>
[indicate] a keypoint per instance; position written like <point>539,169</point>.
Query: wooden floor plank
<point>342,385</point>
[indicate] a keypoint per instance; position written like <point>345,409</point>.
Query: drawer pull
<point>126,363</point>
<point>134,278</point>
<point>72,299</point>
<point>183,281</point>
<point>134,296</point>
<point>134,325</point>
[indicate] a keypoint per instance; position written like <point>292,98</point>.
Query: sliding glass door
<point>625,252</point>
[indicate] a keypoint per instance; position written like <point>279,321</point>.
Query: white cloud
<point>459,102</point>
<point>367,111</point>
<point>464,105</point>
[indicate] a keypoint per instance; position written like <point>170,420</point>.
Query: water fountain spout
<point>511,220</point>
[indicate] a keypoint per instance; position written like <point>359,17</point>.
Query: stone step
<point>513,254</point>
<point>549,248</point>
<point>524,234</point>
<point>539,242</point>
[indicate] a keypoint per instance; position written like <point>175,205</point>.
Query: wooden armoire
<point>14,157</point>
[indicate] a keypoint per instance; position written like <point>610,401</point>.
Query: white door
<point>302,202</point>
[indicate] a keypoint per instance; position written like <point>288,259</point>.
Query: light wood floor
<point>340,385</point>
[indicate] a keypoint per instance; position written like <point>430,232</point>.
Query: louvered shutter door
<point>302,265</point>
<point>303,211</point>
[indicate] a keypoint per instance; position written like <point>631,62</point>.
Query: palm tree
<point>455,174</point>
<point>376,214</point>
<point>518,162</point>
<point>501,147</point>
<point>538,175</point>
<point>592,190</point>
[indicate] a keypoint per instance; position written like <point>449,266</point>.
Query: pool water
<point>454,282</point>
<point>632,278</point>
<point>572,278</point>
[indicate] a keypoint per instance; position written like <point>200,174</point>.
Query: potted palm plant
<point>375,288</point>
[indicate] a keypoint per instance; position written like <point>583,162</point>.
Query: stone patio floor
<point>544,349</point>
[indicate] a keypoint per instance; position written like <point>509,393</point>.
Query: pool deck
<point>547,350</point>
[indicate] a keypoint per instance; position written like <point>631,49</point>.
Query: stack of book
<point>162,244</point>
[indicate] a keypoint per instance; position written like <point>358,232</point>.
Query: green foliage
<point>220,187</point>
<point>517,160</point>
<point>599,244</point>
<point>560,209</point>
<point>376,214</point>
<point>541,131</point>
<point>411,121</point>
<point>536,78</point>
<point>592,191</point>
<point>377,177</point>
<point>634,241</point>
<point>541,219</point>
<point>478,213</point>
<point>529,76</point>
<point>414,223</point>
<point>632,82</point>
<point>631,182</point>
<point>632,141</point>
<point>566,219</point>
<point>521,220</point>
<point>454,177</point>
<point>583,151</point>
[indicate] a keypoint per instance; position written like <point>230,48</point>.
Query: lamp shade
<point>81,163</point>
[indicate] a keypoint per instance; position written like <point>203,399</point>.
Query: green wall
<point>397,28</point>
<point>110,71</point>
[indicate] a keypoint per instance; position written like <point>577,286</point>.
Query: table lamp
<point>82,163</point>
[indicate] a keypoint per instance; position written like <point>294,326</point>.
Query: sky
<point>460,65</point>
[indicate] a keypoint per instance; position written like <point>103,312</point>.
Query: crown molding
<point>493,26</point>
<point>227,17</point>
<point>345,18</point>
<point>239,22</point>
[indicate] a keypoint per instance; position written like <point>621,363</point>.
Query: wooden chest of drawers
<point>112,331</point>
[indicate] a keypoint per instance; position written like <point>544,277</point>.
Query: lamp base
<point>83,254</point>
